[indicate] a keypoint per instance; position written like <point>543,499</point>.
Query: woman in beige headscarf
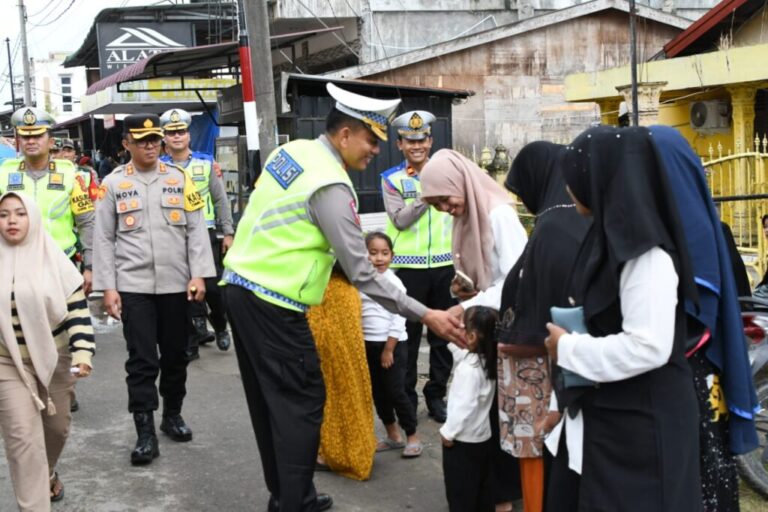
<point>46,341</point>
<point>487,235</point>
<point>487,241</point>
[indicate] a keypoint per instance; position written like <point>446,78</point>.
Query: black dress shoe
<point>437,410</point>
<point>191,353</point>
<point>223,341</point>
<point>324,502</point>
<point>200,333</point>
<point>173,425</point>
<point>147,448</point>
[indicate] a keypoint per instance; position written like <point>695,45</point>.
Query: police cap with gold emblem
<point>32,121</point>
<point>375,113</point>
<point>414,125</point>
<point>175,119</point>
<point>142,125</point>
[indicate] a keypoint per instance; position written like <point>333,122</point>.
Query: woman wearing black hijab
<point>533,286</point>
<point>639,424</point>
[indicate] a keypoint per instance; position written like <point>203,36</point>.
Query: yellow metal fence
<point>739,184</point>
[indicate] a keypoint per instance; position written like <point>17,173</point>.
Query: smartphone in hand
<point>465,282</point>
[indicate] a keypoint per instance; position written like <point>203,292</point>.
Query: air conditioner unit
<point>710,115</point>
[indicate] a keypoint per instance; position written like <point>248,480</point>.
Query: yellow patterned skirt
<point>347,438</point>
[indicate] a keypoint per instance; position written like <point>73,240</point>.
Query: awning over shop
<point>198,60</point>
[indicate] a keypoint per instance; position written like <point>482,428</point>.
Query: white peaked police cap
<point>374,112</point>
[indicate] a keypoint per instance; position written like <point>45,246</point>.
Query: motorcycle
<point>753,466</point>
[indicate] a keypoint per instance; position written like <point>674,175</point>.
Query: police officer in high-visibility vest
<point>151,256</point>
<point>300,219</point>
<point>206,175</point>
<point>88,177</point>
<point>422,245</point>
<point>53,184</point>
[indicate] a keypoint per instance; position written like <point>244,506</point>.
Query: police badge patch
<point>284,169</point>
<point>409,188</point>
<point>15,181</point>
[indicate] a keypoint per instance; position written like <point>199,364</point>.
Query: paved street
<point>219,470</point>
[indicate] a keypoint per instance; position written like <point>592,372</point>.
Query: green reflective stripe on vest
<point>54,204</point>
<point>427,242</point>
<point>202,180</point>
<point>277,248</point>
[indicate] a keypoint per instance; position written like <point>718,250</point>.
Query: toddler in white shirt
<point>466,434</point>
<point>387,353</point>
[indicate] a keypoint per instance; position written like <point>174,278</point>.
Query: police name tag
<point>409,188</point>
<point>284,169</point>
<point>15,181</point>
<point>55,181</point>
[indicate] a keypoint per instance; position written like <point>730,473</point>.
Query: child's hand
<point>387,359</point>
<point>446,443</point>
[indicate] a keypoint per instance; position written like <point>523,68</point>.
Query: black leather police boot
<point>146,445</point>
<point>191,353</point>
<point>200,333</point>
<point>324,502</point>
<point>174,426</point>
<point>223,341</point>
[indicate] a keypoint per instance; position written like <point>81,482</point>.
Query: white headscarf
<point>41,278</point>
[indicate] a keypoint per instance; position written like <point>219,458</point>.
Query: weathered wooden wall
<point>518,81</point>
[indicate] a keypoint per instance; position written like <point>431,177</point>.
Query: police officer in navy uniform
<point>300,219</point>
<point>151,256</point>
<point>206,175</point>
<point>421,237</point>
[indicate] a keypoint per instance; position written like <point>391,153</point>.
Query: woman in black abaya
<point>640,422</point>
<point>533,286</point>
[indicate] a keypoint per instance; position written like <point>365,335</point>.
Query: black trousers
<point>388,386</point>
<point>213,296</point>
<point>467,475</point>
<point>431,287</point>
<point>152,322</point>
<point>284,389</point>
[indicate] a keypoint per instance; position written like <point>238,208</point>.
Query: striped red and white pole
<point>249,98</point>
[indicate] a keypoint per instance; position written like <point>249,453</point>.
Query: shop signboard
<point>122,44</point>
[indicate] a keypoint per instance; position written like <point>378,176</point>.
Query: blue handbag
<point>572,320</point>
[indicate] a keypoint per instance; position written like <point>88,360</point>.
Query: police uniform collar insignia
<point>163,168</point>
<point>129,169</point>
<point>22,165</point>
<point>52,166</point>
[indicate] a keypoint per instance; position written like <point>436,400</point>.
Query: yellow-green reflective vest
<point>57,194</point>
<point>199,171</point>
<point>427,242</point>
<point>278,253</point>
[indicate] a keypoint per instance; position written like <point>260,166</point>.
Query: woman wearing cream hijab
<point>46,340</point>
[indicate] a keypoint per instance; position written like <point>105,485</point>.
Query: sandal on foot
<point>413,450</point>
<point>387,444</point>
<point>56,484</point>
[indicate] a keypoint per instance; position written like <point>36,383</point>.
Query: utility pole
<point>25,53</point>
<point>10,73</point>
<point>257,22</point>
<point>633,61</point>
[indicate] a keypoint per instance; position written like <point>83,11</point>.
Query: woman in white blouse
<point>632,435</point>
